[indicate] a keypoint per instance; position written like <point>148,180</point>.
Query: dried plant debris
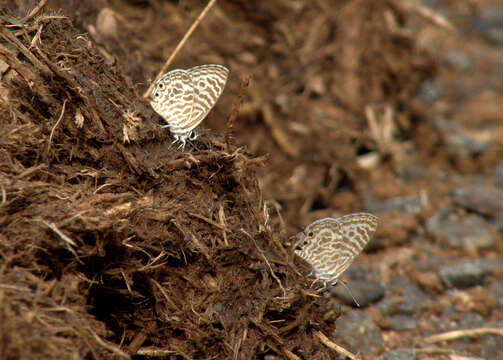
<point>112,248</point>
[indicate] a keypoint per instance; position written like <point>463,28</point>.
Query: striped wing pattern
<point>184,97</point>
<point>209,83</point>
<point>330,245</point>
<point>173,97</point>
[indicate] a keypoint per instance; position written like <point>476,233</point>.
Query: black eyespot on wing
<point>310,234</point>
<point>160,86</point>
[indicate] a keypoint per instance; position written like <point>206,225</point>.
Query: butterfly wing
<point>331,245</point>
<point>173,98</point>
<point>209,83</point>
<point>315,245</point>
<point>351,235</point>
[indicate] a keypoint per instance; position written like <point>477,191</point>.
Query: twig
<point>63,237</point>
<point>36,38</point>
<point>182,163</point>
<point>426,13</point>
<point>179,46</point>
<point>337,348</point>
<point>209,221</point>
<point>460,357</point>
<point>4,195</point>
<point>280,136</point>
<point>163,292</point>
<point>56,125</point>
<point>10,38</point>
<point>140,338</point>
<point>72,83</point>
<point>200,246</point>
<point>471,333</point>
<point>221,217</point>
<point>267,262</point>
<point>126,281</point>
<point>237,345</point>
<point>152,351</point>
<point>17,288</point>
<point>31,171</point>
<point>290,355</point>
<point>277,207</point>
<point>35,11</point>
<point>382,130</point>
<point>269,331</point>
<point>110,347</point>
<point>245,83</point>
<point>150,266</point>
<point>283,140</point>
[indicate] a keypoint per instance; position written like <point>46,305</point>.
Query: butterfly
<point>330,245</point>
<point>184,97</point>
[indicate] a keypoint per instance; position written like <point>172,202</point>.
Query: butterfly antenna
<point>350,293</point>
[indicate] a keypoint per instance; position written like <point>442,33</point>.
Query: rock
<point>431,91</point>
<point>402,322</point>
<point>490,265</point>
<point>444,322</point>
<point>413,301</point>
<point>404,204</point>
<point>463,275</point>
<point>355,272</point>
<point>459,143</point>
<point>365,292</point>
<point>359,331</point>
<point>412,172</point>
<point>489,24</point>
<point>471,320</point>
<point>497,222</point>
<point>462,145</point>
<point>433,4</point>
<point>486,200</point>
<point>498,174</point>
<point>459,60</point>
<point>451,319</point>
<point>496,292</point>
<point>470,232</point>
<point>399,354</point>
<point>491,345</point>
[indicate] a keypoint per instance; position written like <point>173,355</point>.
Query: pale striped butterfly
<point>330,245</point>
<point>184,97</point>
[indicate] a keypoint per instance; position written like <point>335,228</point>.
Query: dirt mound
<point>102,216</point>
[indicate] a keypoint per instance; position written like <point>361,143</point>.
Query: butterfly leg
<point>182,142</point>
<point>324,284</point>
<point>315,281</point>
<point>180,139</point>
<point>193,135</point>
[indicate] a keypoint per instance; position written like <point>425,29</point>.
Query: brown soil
<point>113,242</point>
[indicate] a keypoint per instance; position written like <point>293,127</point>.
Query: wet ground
<point>114,243</point>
